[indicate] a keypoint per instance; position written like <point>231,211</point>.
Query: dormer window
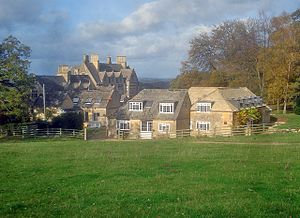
<point>135,106</point>
<point>166,108</point>
<point>88,101</point>
<point>75,100</point>
<point>203,107</point>
<point>98,100</point>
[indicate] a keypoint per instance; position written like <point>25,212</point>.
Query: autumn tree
<point>230,50</point>
<point>15,82</point>
<point>283,57</point>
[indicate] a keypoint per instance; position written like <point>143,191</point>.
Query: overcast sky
<point>154,35</point>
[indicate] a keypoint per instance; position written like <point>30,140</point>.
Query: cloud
<point>17,12</point>
<point>155,36</point>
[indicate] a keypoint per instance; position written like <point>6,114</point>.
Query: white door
<point>146,130</point>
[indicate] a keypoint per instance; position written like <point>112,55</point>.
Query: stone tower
<point>63,70</point>
<point>95,60</point>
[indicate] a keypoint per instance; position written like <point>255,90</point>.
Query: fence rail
<point>40,133</point>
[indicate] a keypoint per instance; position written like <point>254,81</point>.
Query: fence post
<point>60,132</point>
<point>85,134</point>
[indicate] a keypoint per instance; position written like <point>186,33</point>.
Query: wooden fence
<point>246,130</point>
<point>40,133</point>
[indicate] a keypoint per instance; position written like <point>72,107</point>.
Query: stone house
<point>154,113</point>
<point>98,74</point>
<point>214,108</point>
<point>97,106</point>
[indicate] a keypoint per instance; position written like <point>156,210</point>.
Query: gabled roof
<point>127,73</point>
<point>151,98</point>
<point>222,98</point>
<point>80,82</point>
<point>51,83</point>
<point>93,71</point>
<point>110,67</point>
<point>98,98</point>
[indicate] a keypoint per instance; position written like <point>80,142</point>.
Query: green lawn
<point>289,121</point>
<point>256,176</point>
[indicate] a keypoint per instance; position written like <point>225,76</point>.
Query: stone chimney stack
<point>85,58</point>
<point>108,60</point>
<point>121,59</point>
<point>63,70</point>
<point>95,60</point>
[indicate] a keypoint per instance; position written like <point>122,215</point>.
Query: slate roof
<point>222,98</point>
<point>151,99</point>
<point>51,83</point>
<point>98,98</point>
<point>52,99</point>
<point>80,82</point>
<point>110,67</point>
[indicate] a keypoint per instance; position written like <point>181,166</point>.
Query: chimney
<point>95,60</point>
<point>63,70</point>
<point>121,59</point>
<point>108,60</point>
<point>85,58</point>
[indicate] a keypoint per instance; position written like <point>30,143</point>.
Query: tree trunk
<point>278,106</point>
<point>284,106</point>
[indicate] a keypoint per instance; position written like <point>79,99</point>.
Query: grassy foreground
<point>255,176</point>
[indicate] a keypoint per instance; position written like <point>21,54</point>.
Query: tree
<point>15,82</point>
<point>230,49</point>
<point>283,56</point>
<point>68,121</point>
<point>249,114</point>
<point>188,79</point>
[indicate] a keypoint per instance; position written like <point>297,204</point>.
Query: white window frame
<point>148,127</point>
<point>166,108</point>
<point>203,107</point>
<point>164,127</point>
<point>124,123</point>
<point>202,126</point>
<point>135,106</point>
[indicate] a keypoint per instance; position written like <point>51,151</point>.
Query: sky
<point>154,35</point>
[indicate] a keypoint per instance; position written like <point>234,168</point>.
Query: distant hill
<point>154,83</point>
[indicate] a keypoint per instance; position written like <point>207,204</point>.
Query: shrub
<point>68,121</point>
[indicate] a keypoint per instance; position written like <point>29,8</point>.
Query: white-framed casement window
<point>164,127</point>
<point>202,126</point>
<point>123,125</point>
<point>203,107</point>
<point>146,126</point>
<point>135,106</point>
<point>166,108</point>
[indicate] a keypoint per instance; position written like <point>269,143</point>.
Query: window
<point>34,93</point>
<point>164,127</point>
<point>166,108</point>
<point>95,116</point>
<point>135,106</point>
<point>202,126</point>
<point>75,100</point>
<point>146,126</point>
<point>123,124</point>
<point>88,101</point>
<point>203,107</point>
<point>98,100</point>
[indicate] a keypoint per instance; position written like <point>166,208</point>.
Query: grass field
<point>257,176</point>
<point>289,120</point>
